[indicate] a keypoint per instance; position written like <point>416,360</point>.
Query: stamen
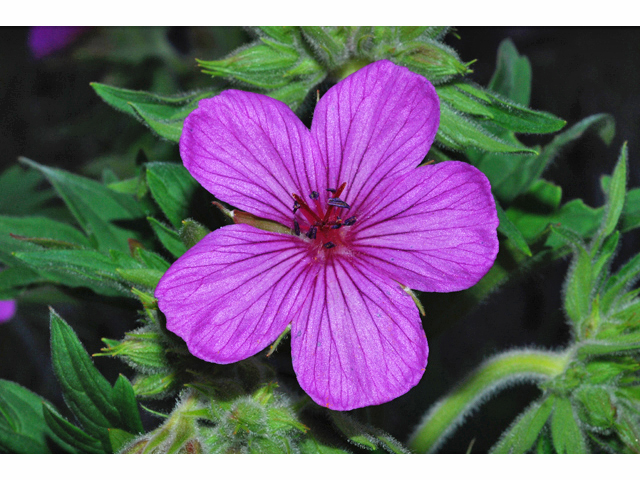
<point>310,214</point>
<point>296,206</point>
<point>312,233</point>
<point>349,221</point>
<point>313,195</point>
<point>336,202</point>
<point>332,190</point>
<point>296,227</point>
<point>329,245</point>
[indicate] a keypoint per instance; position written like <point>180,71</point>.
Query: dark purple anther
<point>332,190</point>
<point>296,206</point>
<point>349,221</point>
<point>329,245</point>
<point>336,202</point>
<point>312,233</point>
<point>336,226</point>
<point>296,227</point>
<point>313,195</point>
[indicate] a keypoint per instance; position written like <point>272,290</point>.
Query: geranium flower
<point>7,310</point>
<point>361,220</point>
<point>44,41</point>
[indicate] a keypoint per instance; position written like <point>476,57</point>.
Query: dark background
<point>577,72</point>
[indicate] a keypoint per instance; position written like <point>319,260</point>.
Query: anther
<point>336,202</point>
<point>329,245</point>
<point>296,206</point>
<point>313,195</point>
<point>349,221</point>
<point>296,227</point>
<point>332,190</point>
<point>312,233</point>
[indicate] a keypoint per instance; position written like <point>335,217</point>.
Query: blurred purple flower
<point>7,310</point>
<point>44,41</point>
<point>363,218</point>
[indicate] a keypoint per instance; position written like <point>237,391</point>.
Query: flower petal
<point>233,293</point>
<point>434,231</point>
<point>358,340</point>
<point>373,125</point>
<point>251,151</point>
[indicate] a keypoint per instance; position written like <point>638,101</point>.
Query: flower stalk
<point>493,375</point>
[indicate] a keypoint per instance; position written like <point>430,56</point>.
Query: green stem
<point>494,374</point>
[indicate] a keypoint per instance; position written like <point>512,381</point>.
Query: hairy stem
<point>493,375</point>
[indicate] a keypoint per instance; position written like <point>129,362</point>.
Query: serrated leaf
<point>512,77</point>
<point>95,207</point>
<point>124,400</point>
<point>86,392</point>
<point>565,431</point>
<point>524,431</point>
<point>22,425</point>
<point>508,229</point>
<point>168,237</point>
<point>72,438</point>
<point>172,187</point>
<point>459,133</point>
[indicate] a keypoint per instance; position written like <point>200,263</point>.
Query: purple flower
<point>44,41</point>
<point>363,220</point>
<point>7,310</point>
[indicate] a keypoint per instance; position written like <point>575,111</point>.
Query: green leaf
<point>620,282</point>
<point>457,132</point>
<point>86,392</point>
<point>71,437</point>
<point>524,431</point>
<point>616,345</point>
<point>124,400</point>
<point>311,445</point>
<point>162,114</point>
<point>16,182</point>
<point>36,227</point>
<point>565,431</point>
<point>508,114</point>
<point>509,230</point>
<point>615,196</point>
<point>12,279</point>
<point>511,175</point>
<point>512,77</point>
<point>119,439</point>
<point>172,187</point>
<point>153,260</point>
<point>78,268</point>
<point>579,283</point>
<point>155,385</point>
<point>95,207</point>
<point>169,238</point>
<point>22,425</point>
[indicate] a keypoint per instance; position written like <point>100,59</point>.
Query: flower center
<point>323,228</point>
